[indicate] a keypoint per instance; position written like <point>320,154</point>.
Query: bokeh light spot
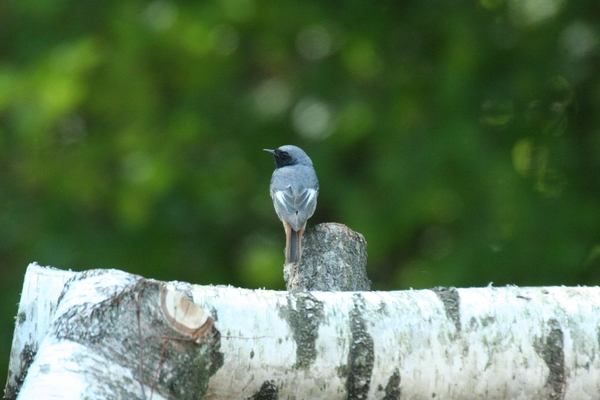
<point>579,40</point>
<point>531,12</point>
<point>314,42</point>
<point>160,15</point>
<point>312,118</point>
<point>521,156</point>
<point>272,97</point>
<point>225,39</point>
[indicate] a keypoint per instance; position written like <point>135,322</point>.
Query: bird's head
<point>289,155</point>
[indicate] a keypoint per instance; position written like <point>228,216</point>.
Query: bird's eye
<point>284,154</point>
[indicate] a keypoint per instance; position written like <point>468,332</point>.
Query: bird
<point>294,190</point>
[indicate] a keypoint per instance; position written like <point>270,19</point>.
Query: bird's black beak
<point>271,151</point>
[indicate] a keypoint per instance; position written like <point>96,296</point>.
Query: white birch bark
<point>477,343</point>
<point>111,335</point>
<point>41,289</point>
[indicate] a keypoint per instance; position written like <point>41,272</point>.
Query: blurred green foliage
<point>462,139</point>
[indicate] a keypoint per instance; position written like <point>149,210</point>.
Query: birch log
<point>110,335</point>
<point>444,343</point>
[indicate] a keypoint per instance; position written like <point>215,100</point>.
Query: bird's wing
<point>295,206</point>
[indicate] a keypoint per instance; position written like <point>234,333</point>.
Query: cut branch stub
<point>186,317</point>
<point>334,259</point>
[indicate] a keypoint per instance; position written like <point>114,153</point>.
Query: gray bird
<point>294,190</point>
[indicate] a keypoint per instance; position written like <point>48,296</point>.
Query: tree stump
<point>334,258</point>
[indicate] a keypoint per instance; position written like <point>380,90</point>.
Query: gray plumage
<point>294,190</point>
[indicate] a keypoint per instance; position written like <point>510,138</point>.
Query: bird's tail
<point>293,247</point>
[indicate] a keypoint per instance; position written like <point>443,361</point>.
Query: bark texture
<point>116,335</point>
<point>444,343</point>
<point>334,258</point>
